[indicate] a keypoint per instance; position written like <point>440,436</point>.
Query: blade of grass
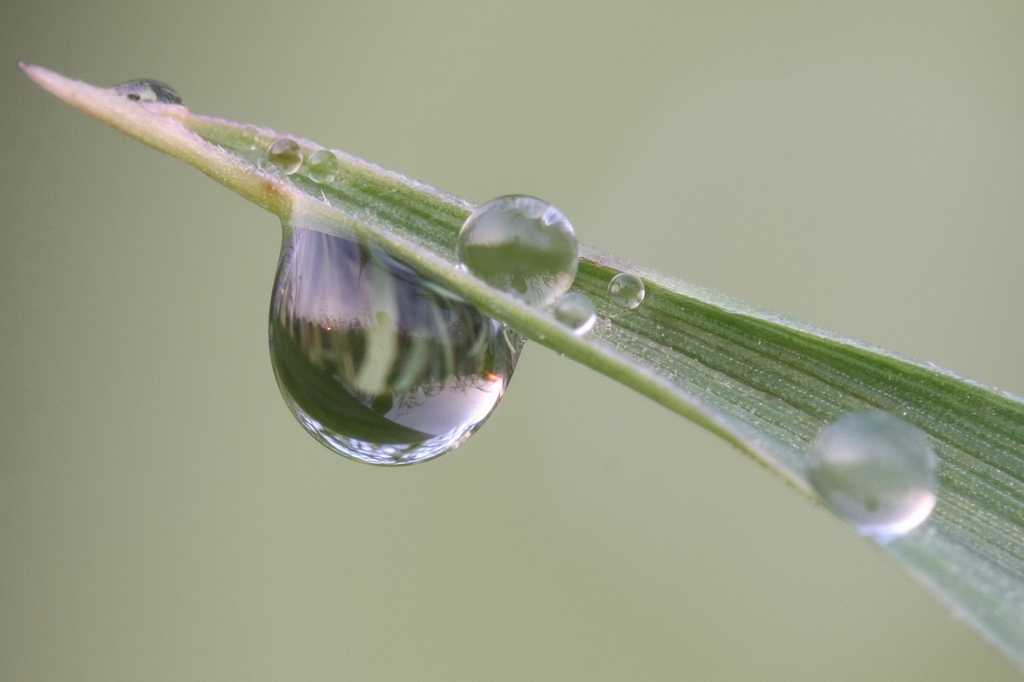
<point>761,381</point>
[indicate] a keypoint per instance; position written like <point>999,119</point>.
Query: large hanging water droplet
<point>378,363</point>
<point>576,311</point>
<point>521,245</point>
<point>286,154</point>
<point>626,290</point>
<point>148,90</point>
<point>876,472</point>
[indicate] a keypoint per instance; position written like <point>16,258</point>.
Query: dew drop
<point>376,362</point>
<point>148,90</point>
<point>286,154</point>
<point>626,290</point>
<point>876,472</point>
<point>251,137</point>
<point>576,310</point>
<point>521,245</point>
<point>322,166</point>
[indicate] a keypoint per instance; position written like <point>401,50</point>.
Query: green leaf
<point>763,382</point>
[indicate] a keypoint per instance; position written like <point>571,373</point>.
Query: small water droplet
<point>378,363</point>
<point>251,137</point>
<point>576,311</point>
<point>876,472</point>
<point>521,245</point>
<point>286,154</point>
<point>626,290</point>
<point>322,166</point>
<point>148,90</point>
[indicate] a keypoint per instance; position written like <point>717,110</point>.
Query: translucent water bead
<point>521,245</point>
<point>251,138</point>
<point>148,90</point>
<point>576,311</point>
<point>876,472</point>
<point>322,166</point>
<point>286,154</point>
<point>378,363</point>
<point>626,290</point>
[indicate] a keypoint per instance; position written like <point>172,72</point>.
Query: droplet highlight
<point>286,154</point>
<point>626,290</point>
<point>521,245</point>
<point>576,311</point>
<point>322,166</point>
<point>378,363</point>
<point>148,90</point>
<point>876,472</point>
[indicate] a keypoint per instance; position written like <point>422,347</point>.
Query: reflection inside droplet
<point>522,246</point>
<point>286,154</point>
<point>148,90</point>
<point>626,290</point>
<point>378,363</point>
<point>322,166</point>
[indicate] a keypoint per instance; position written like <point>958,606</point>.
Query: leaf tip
<point>42,77</point>
<point>75,93</point>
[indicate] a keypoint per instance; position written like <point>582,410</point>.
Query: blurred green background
<point>162,515</point>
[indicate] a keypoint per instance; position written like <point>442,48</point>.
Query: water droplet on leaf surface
<point>286,154</point>
<point>322,166</point>
<point>148,90</point>
<point>377,362</point>
<point>626,290</point>
<point>576,310</point>
<point>251,137</point>
<point>521,245</point>
<point>876,472</point>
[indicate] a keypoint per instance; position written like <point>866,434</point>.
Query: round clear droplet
<point>576,311</point>
<point>521,245</point>
<point>251,137</point>
<point>148,90</point>
<point>322,166</point>
<point>876,472</point>
<point>378,363</point>
<point>626,290</point>
<point>286,154</point>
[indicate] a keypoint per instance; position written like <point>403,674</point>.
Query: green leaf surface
<point>763,382</point>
